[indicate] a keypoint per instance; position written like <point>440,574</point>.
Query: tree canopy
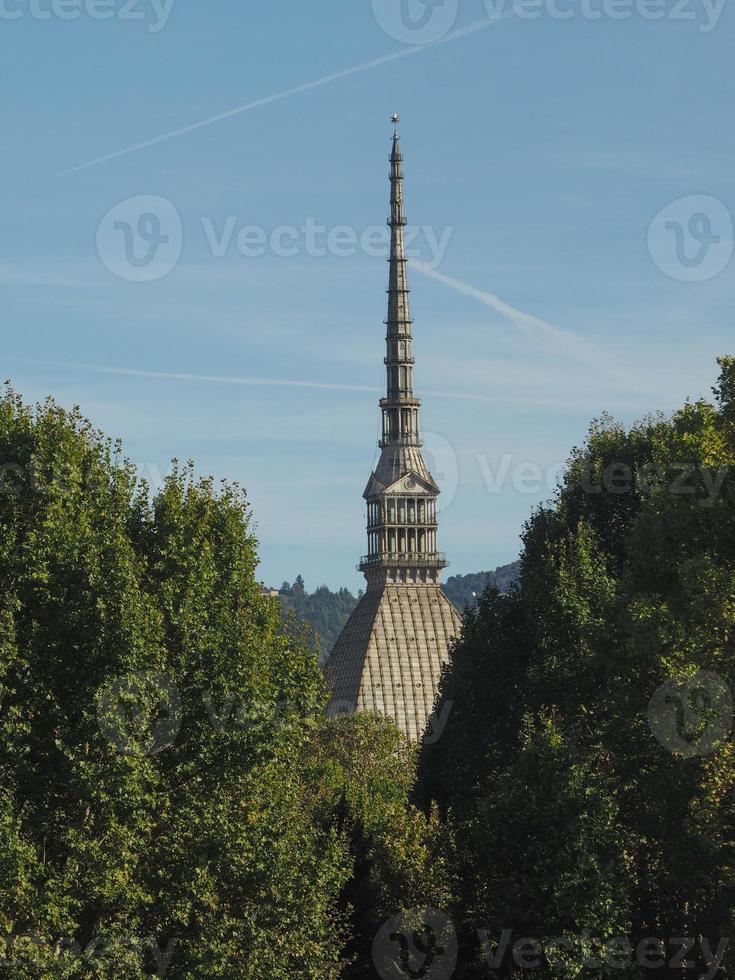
<point>153,718</point>
<point>173,801</point>
<point>586,774</point>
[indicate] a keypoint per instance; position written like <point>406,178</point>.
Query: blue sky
<point>542,148</point>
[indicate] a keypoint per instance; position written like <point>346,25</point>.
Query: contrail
<point>571,343</point>
<point>222,379</point>
<point>477,25</point>
<point>225,379</point>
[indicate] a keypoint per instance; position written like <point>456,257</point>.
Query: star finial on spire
<point>395,118</point>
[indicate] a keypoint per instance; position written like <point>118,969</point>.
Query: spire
<point>388,658</point>
<point>399,316</point>
<point>400,408</point>
<point>401,493</point>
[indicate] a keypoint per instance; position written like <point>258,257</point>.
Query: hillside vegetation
<point>326,612</point>
<point>465,590</point>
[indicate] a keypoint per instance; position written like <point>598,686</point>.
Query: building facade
<point>389,656</point>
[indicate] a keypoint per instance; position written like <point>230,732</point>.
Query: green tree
<point>154,725</point>
<point>587,771</point>
<point>362,773</point>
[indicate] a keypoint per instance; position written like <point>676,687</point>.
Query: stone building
<point>389,655</point>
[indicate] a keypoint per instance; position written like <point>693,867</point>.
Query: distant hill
<point>328,611</point>
<point>464,589</point>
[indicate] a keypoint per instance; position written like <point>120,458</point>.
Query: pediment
<point>373,488</point>
<point>411,483</point>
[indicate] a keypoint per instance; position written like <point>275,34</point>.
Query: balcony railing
<point>433,559</point>
<point>408,440</point>
<point>408,524</point>
<point>404,397</point>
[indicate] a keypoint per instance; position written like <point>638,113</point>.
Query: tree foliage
<point>154,721</point>
<point>173,801</point>
<point>587,770</point>
<point>363,771</point>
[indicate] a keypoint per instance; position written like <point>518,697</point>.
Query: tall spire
<point>389,656</point>
<point>401,493</point>
<point>400,408</point>
<point>399,316</point>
